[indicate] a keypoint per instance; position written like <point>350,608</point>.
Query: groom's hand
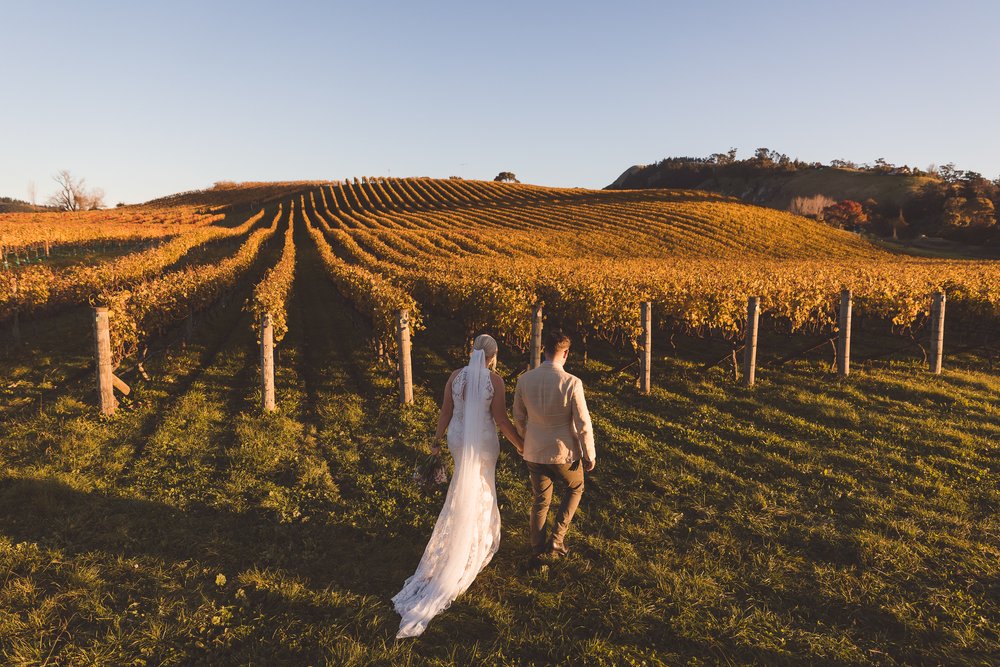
<point>589,465</point>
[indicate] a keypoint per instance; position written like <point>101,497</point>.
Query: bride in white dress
<point>467,531</point>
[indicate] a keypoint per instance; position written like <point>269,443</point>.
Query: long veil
<point>456,552</point>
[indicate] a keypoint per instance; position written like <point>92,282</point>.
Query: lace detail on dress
<point>458,396</point>
<point>458,389</point>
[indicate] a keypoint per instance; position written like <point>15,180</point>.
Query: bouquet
<point>430,472</point>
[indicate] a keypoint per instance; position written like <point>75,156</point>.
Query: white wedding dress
<point>467,531</point>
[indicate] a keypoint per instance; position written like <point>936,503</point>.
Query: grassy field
<point>887,189</point>
<point>937,248</point>
<point>803,521</point>
<point>778,189</point>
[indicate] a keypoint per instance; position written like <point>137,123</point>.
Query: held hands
<point>589,465</point>
<point>436,447</point>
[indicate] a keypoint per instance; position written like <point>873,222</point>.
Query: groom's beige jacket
<point>550,412</point>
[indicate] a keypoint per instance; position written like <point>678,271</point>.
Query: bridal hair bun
<point>488,345</point>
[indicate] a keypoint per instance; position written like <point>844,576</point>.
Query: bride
<point>467,531</point>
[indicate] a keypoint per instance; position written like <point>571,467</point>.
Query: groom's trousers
<point>543,476</point>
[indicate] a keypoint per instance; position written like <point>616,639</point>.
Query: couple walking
<point>554,436</point>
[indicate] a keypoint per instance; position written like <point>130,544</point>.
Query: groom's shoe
<point>554,552</point>
<point>557,551</point>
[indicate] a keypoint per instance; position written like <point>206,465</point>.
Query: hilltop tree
<point>949,173</point>
<point>973,184</point>
<point>882,166</point>
<point>843,164</point>
<point>73,195</point>
<point>506,177</point>
<point>765,157</point>
<point>723,158</point>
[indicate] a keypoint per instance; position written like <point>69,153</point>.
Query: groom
<point>551,414</point>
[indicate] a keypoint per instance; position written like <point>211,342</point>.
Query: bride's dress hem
<point>466,534</point>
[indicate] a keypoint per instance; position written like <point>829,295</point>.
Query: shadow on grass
<point>56,516</point>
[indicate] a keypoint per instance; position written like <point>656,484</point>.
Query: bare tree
<point>810,206</point>
<point>73,194</point>
<point>67,197</point>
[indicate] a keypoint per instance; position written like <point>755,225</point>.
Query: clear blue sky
<point>149,98</point>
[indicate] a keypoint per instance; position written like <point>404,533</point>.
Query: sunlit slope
<point>229,193</point>
<point>539,221</point>
<point>777,188</point>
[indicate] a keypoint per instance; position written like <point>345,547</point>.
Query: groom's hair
<point>555,342</point>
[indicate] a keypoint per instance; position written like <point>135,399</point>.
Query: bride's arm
<point>447,408</point>
<point>498,407</point>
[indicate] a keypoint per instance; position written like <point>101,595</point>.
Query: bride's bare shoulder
<point>497,380</point>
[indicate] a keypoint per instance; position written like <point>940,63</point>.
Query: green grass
<point>806,520</point>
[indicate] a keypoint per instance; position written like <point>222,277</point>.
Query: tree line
<point>954,203</point>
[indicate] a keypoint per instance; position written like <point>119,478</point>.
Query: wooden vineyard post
<point>15,329</point>
<point>844,339</point>
<point>937,332</point>
<point>535,359</point>
<point>267,362</point>
<point>405,367</point>
<point>647,346</point>
<point>102,356</point>
<point>750,346</point>
<point>46,247</point>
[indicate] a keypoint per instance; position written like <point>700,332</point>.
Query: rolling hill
<point>11,205</point>
<point>776,189</point>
